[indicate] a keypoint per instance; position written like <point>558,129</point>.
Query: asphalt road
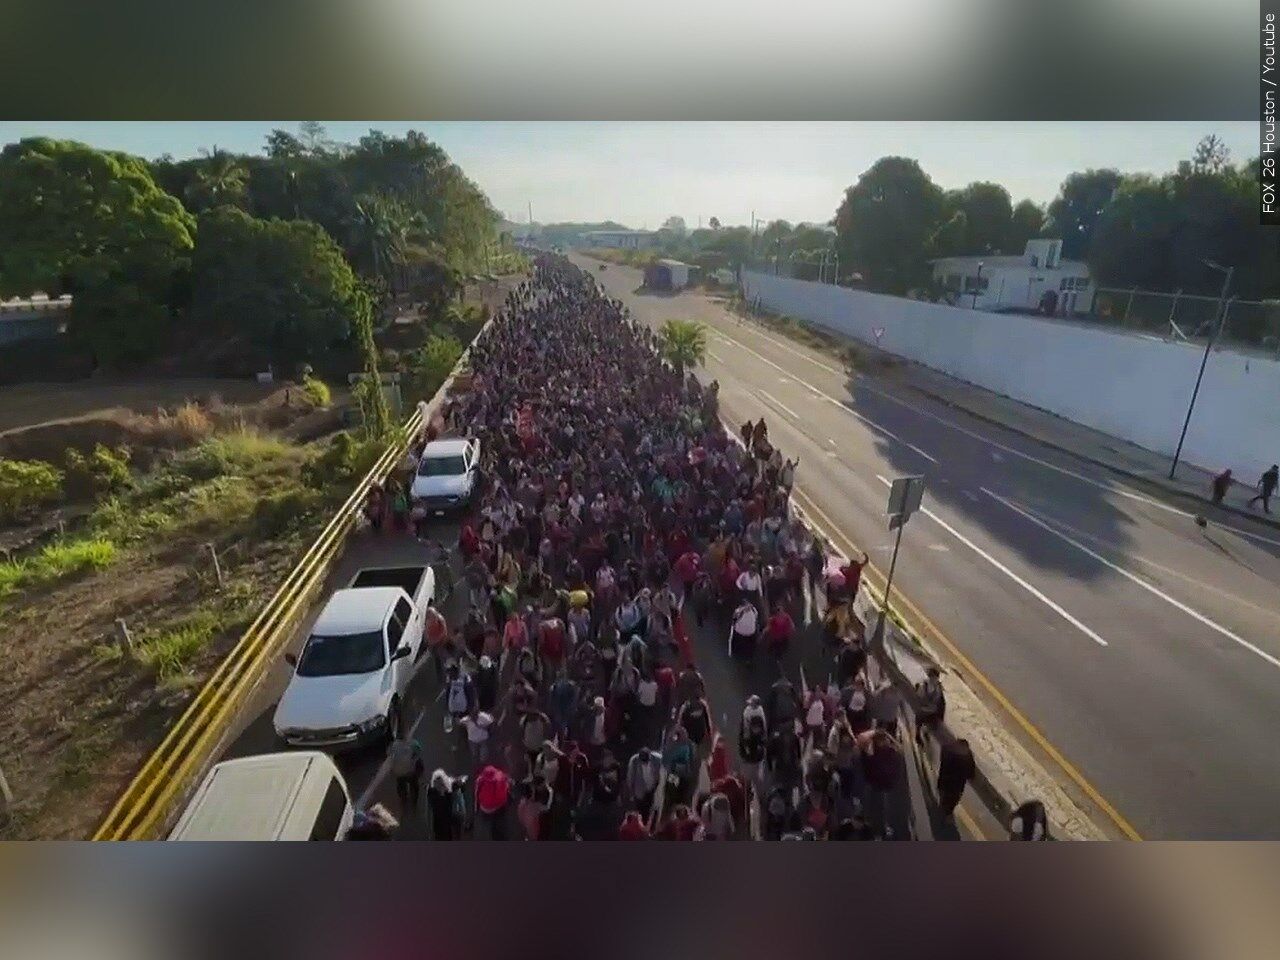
<point>1145,650</point>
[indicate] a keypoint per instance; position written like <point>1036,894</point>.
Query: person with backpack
<point>459,696</point>
<point>753,740</point>
<point>551,644</point>
<point>441,808</point>
<point>717,818</point>
<point>744,630</point>
<point>694,717</point>
<point>644,775</point>
<point>782,706</point>
<point>404,757</point>
<point>932,700</point>
<point>535,729</point>
<point>493,791</point>
<point>681,763</point>
<point>479,731</point>
<point>564,702</point>
<point>486,684</point>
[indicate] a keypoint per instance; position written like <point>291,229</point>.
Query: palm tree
<point>683,343</point>
<point>220,179</point>
<point>380,231</point>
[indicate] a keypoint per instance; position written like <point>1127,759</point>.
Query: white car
<point>348,684</point>
<point>277,796</point>
<point>446,474</point>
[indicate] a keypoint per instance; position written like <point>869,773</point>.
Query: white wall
<point>1128,386</point>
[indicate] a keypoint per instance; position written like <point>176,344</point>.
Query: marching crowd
<point>614,518</point>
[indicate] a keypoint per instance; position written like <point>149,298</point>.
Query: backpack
<point>604,579</point>
<point>553,639</point>
<point>695,721</point>
<point>647,692</point>
<point>816,714</point>
<point>458,701</point>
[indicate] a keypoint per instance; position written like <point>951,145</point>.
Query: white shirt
<point>749,581</point>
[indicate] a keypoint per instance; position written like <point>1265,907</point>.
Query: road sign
<point>904,497</point>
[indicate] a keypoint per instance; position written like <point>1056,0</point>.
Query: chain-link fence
<point>1185,316</point>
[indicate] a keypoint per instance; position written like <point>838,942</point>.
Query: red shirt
<point>687,566</point>
<point>729,576</point>
<point>781,627</point>
<point>632,829</point>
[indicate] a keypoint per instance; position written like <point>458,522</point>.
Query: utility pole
<point>1213,336</point>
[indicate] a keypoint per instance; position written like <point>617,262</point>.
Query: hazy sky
<point>641,173</point>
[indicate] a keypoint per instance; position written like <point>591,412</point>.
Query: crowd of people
<point>614,516</point>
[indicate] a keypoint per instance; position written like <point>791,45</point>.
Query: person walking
<point>1267,487</point>
<point>1221,483</point>
<point>493,792</point>
<point>956,769</point>
<point>405,758</point>
<point>441,807</point>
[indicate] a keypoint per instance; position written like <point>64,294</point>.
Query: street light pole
<point>976,282</point>
<point>1213,336</point>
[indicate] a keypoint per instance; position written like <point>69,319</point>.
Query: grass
<point>171,651</point>
<point>56,562</point>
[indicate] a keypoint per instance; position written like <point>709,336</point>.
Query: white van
<point>278,796</point>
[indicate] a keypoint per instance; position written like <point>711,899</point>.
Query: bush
<point>345,458</point>
<point>187,425</point>
<point>102,473</point>
<point>243,450</point>
<point>431,364</point>
<point>25,485</point>
<point>280,512</point>
<point>317,391</point>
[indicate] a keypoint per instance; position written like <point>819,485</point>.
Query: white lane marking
<point>1148,562</point>
<point>1112,487</point>
<point>839,403</point>
<point>970,496</point>
<point>1051,604</point>
<point>1195,614</point>
<point>778,403</point>
<point>712,355</point>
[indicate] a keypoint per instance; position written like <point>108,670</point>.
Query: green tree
<point>714,223</point>
<point>1025,224</point>
<point>220,179</point>
<point>94,224</point>
<point>885,222</point>
<point>380,232</point>
<point>683,343</point>
<point>983,227</point>
<point>282,286</point>
<point>1074,213</point>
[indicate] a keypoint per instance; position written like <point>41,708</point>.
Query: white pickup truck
<point>446,474</point>
<point>348,684</point>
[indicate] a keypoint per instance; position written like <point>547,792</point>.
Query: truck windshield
<point>442,467</point>
<point>350,653</point>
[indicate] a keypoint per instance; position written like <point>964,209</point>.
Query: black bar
<point>1268,113</point>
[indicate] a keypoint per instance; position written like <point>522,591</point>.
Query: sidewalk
<point>1119,456</point>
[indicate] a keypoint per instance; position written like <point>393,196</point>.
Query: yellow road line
<point>967,665</point>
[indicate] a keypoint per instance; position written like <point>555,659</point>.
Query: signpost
<point>905,496</point>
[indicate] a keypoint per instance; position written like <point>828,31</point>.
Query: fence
<point>149,802</point>
<point>1188,316</point>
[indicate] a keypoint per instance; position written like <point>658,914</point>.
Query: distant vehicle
<point>277,796</point>
<point>446,474</point>
<point>349,682</point>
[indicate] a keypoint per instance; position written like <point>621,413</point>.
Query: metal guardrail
<point>146,806</point>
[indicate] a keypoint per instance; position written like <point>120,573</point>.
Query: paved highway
<point>1145,650</point>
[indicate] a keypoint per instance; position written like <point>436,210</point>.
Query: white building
<point>621,239</point>
<point>1018,283</point>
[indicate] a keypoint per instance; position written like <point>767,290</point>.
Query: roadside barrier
<point>148,804</point>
